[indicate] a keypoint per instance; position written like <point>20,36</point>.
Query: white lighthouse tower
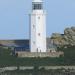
<point>38,27</point>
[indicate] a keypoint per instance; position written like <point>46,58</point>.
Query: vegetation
<point>6,59</point>
<point>69,54</point>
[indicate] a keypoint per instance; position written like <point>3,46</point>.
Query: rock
<point>68,38</point>
<point>56,35</point>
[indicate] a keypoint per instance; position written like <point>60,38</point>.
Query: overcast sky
<point>14,17</point>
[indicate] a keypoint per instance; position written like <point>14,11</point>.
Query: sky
<point>14,17</point>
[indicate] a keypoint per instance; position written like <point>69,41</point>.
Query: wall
<point>33,54</point>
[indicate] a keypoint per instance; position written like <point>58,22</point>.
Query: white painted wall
<point>38,31</point>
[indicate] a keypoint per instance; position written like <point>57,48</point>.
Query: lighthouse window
<point>33,42</point>
<point>37,6</point>
<point>39,17</point>
<point>39,34</point>
<point>33,26</point>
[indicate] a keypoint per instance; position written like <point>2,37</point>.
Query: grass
<point>8,60</point>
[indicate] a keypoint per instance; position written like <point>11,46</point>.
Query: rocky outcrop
<point>58,39</point>
<point>68,38</point>
<point>69,35</point>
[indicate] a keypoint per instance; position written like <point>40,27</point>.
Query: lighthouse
<point>37,27</point>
